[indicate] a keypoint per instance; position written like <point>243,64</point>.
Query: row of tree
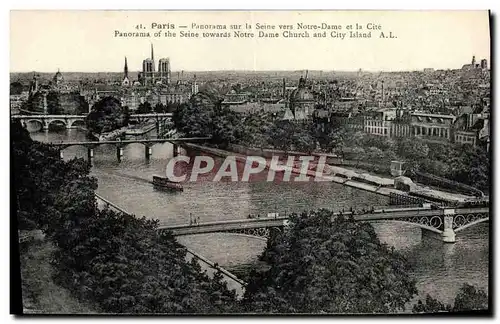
<point>462,163</point>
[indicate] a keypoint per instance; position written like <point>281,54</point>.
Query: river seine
<point>439,269</point>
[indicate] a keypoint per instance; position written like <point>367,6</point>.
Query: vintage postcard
<point>250,162</point>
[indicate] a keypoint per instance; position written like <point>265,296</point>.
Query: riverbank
<point>136,130</point>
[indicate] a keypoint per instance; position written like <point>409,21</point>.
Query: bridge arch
<point>34,121</point>
<point>475,222</point>
<point>254,237</point>
<point>420,225</point>
<point>56,121</point>
<point>76,122</point>
<point>259,232</point>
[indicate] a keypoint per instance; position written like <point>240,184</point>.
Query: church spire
<point>125,68</point>
<point>153,57</point>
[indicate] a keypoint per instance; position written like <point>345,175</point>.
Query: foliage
<point>160,108</point>
<point>54,104</point>
<point>468,298</point>
<point>287,135</point>
<point>115,260</point>
<point>106,115</point>
<point>320,265</point>
<point>226,127</point>
<point>431,305</point>
<point>196,117</point>
<point>144,108</point>
<point>463,163</point>
<point>412,150</point>
<point>83,105</point>
<point>16,88</point>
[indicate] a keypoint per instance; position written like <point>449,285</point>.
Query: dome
<point>302,94</point>
<point>58,76</point>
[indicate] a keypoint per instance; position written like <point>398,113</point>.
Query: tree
<point>303,141</point>
<point>54,104</point>
<point>83,105</point>
<point>374,154</point>
<point>431,305</point>
<point>358,153</point>
<point>107,115</point>
<point>436,167</point>
<point>281,134</point>
<point>471,166</point>
<point>413,150</point>
<point>172,106</point>
<point>160,108</point>
<point>196,117</point>
<point>381,142</point>
<point>325,265</point>
<point>226,127</point>
<point>16,88</point>
<point>144,108</point>
<point>468,298</point>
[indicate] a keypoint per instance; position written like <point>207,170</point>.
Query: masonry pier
<point>119,153</point>
<point>148,150</point>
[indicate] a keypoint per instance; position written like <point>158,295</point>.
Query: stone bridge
<point>442,223</point>
<point>120,144</point>
<point>72,121</point>
<point>69,121</point>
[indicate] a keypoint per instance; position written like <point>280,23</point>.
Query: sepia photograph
<point>169,162</point>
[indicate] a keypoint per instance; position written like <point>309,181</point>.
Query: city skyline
<point>47,49</point>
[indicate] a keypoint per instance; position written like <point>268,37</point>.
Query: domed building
<point>58,78</point>
<point>302,101</point>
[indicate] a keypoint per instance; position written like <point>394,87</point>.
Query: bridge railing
<point>216,267</point>
<point>108,204</point>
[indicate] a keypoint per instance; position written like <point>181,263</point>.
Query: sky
<point>84,41</point>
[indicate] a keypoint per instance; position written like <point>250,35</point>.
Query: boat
<point>164,183</point>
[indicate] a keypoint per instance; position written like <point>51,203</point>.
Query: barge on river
<point>164,183</point>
